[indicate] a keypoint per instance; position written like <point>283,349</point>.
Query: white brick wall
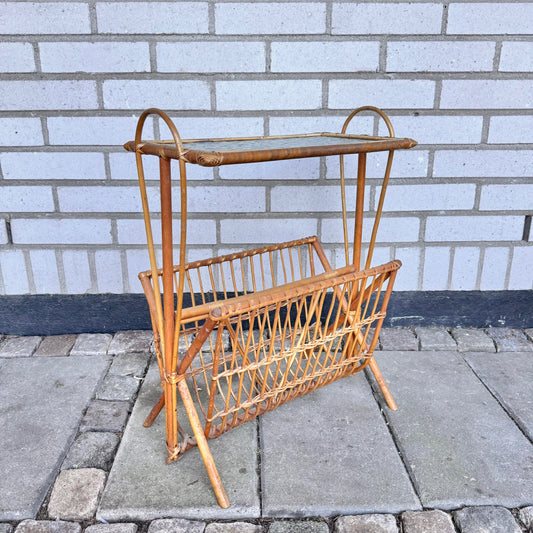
<point>455,76</point>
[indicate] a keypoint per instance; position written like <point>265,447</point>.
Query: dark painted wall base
<point>100,313</point>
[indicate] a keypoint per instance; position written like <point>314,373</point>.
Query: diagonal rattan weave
<point>238,335</point>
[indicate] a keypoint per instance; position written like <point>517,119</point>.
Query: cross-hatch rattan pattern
<point>258,328</point>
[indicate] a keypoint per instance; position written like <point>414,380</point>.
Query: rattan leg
<point>156,409</point>
<point>205,452</point>
<point>382,385</point>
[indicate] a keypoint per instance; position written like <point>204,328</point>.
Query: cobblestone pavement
<point>70,503</point>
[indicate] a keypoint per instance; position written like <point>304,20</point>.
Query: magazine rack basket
<point>238,335</point>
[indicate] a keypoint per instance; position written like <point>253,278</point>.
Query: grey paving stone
<point>473,340</point>
<point>92,450</point>
<point>510,340</point>
<point>435,521</point>
<point>102,415</point>
<point>460,445</point>
<point>298,526</point>
<point>129,364</point>
<point>366,523</point>
<point>91,344</point>
<point>41,405</point>
<point>526,516</point>
<point>47,526</point>
<point>330,453</point>
<point>56,345</point>
<point>75,494</point>
<point>142,486</point>
<point>6,528</point>
<point>19,346</point>
<point>486,520</point>
<point>435,338</point>
<point>118,388</point>
<point>176,525</point>
<point>398,339</point>
<point>233,527</point>
<point>509,376</point>
<point>130,342</point>
<point>112,528</point>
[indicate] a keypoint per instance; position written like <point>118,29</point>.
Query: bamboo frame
<point>267,325</point>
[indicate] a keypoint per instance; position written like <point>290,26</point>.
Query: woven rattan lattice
<point>240,334</point>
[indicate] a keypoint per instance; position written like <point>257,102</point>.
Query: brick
<point>485,94</point>
<point>338,56</point>
<point>521,276</point>
<point>92,450</point>
<point>98,199</point>
<point>510,340</point>
<point>44,18</point>
<point>386,94</point>
<point>211,57</point>
<point>137,261</point>
<point>440,56</point>
<point>430,197</point>
<point>112,528</point>
<point>34,95</point>
<point>44,270</point>
<point>75,494</point>
<point>91,344</point>
<point>308,199</point>
<point>77,271</point>
<point>123,166</point>
<point>265,230</point>
<point>134,341</point>
<point>130,363</point>
<point>3,232</point>
<point>105,416</point>
<point>13,267</point>
<point>267,18</point>
<point>435,521</point>
<point>490,18</point>
<point>290,169</point>
<point>232,527</point>
<point>16,57</point>
<point>486,518</point>
<point>435,338</point>
<point>495,263</point>
<point>407,279</point>
<point>66,231</point>
<point>482,163</point>
<point>376,18</point>
<point>511,129</point>
<point>516,57</point>
<point>168,94</point>
<point>473,340</point>
<point>212,127</point>
<point>175,525</point>
<point>391,229</point>
<point>512,197</point>
<point>94,57</point>
<point>465,268</point>
<point>398,339</point>
<point>152,17</point>
<point>108,265</point>
<point>53,166</point>
<point>94,131</point>
<point>19,346</point>
<point>436,129</point>
<point>317,123</point>
<point>226,199</point>
<point>378,523</point>
<point>474,228</point>
<point>268,94</point>
<point>298,526</point>
<point>436,268</point>
<point>132,231</point>
<point>6,528</point>
<point>56,345</point>
<point>21,131</point>
<point>118,388</point>
<point>48,526</point>
<point>26,198</point>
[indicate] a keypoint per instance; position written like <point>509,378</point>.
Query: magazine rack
<point>246,332</point>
